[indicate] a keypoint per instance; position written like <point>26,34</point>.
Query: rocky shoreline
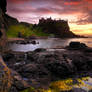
<point>41,67</point>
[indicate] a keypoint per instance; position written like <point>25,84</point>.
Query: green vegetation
<point>25,31</point>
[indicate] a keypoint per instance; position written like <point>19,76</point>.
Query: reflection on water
<point>49,43</point>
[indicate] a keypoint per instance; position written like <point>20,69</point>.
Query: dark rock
<point>1,34</point>
<point>74,44</point>
<point>3,5</point>
<point>89,50</point>
<point>32,37</point>
<point>5,77</point>
<point>42,67</point>
<point>18,81</point>
<point>13,89</point>
<point>40,50</point>
<point>60,27</point>
<point>20,35</point>
<point>77,45</point>
<point>3,38</point>
<point>33,71</point>
<point>10,21</point>
<point>33,42</point>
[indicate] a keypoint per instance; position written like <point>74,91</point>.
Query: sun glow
<point>81,29</point>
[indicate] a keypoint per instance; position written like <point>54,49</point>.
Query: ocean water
<point>49,43</point>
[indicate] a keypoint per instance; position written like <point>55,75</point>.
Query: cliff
<point>10,20</point>
<point>5,77</point>
<point>59,28</point>
<point>2,31</point>
<point>7,20</point>
<point>5,74</point>
<point>3,5</point>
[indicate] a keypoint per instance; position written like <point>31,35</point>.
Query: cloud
<point>47,7</point>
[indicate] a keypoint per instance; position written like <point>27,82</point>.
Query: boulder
<point>40,50</point>
<point>77,45</point>
<point>33,42</point>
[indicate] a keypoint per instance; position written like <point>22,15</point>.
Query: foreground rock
<point>5,77</point>
<point>40,67</point>
<point>77,45</point>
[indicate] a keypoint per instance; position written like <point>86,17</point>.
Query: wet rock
<point>33,42</point>
<point>88,50</point>
<point>42,67</point>
<point>22,42</point>
<point>77,45</point>
<point>40,50</point>
<point>78,90</point>
<point>18,82</point>
<point>36,75</point>
<point>33,71</point>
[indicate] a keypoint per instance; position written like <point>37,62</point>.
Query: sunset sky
<point>77,12</point>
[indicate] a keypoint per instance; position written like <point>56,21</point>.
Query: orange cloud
<point>72,3</point>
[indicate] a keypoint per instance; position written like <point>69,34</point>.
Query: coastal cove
<point>48,43</point>
<point>43,46</point>
<point>67,70</point>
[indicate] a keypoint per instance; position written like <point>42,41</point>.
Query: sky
<point>77,12</point>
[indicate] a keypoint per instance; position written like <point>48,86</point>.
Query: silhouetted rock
<point>3,5</point>
<point>59,28</point>
<point>3,38</point>
<point>1,34</point>
<point>10,20</point>
<point>40,50</point>
<point>88,50</point>
<point>77,45</point>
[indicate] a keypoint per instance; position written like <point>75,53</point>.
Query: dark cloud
<point>85,19</point>
<point>45,7</point>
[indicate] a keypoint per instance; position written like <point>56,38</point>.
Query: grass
<point>14,30</point>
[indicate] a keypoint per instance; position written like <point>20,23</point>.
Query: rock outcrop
<point>7,20</point>
<point>59,28</point>
<point>3,38</point>
<point>5,77</point>
<point>39,68</point>
<point>3,5</point>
